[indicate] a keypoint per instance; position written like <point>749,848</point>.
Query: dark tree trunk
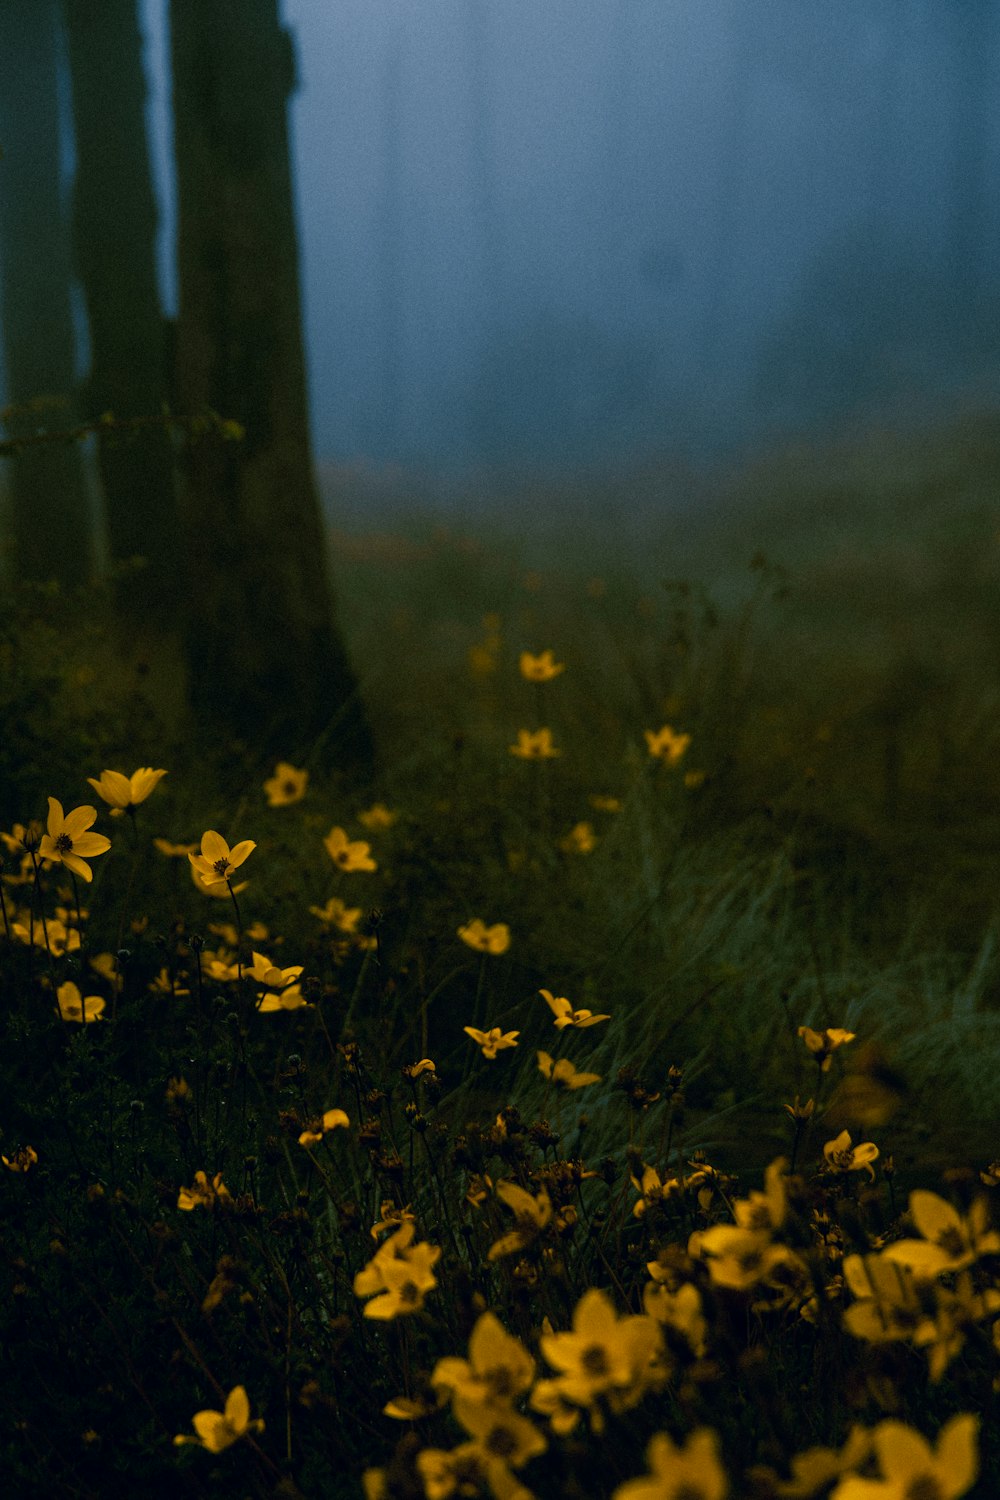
<point>266,662</point>
<point>49,512</point>
<point>114,223</point>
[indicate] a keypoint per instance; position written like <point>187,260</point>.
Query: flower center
<point>924,1487</point>
<point>409,1293</point>
<point>689,1492</point>
<point>594,1360</point>
<point>502,1442</point>
<point>221,866</point>
<point>64,843</point>
<point>951,1242</point>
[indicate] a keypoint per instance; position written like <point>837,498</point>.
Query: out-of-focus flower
<point>950,1242</point>
<point>218,1430</point>
<point>122,792</point>
<point>912,1469</point>
<point>476,934</point>
<point>377,817</point>
<point>534,745</point>
<point>73,1006</point>
<point>174,851</point>
<point>67,841</point>
<point>336,913</point>
<point>22,1160</point>
<point>680,1473</point>
<point>581,839</point>
<point>563,1073</point>
<point>666,744</point>
<point>400,1272</point>
<point>331,1120</point>
<point>540,668</point>
<point>203,1193</point>
<point>348,854</point>
<point>287,785</point>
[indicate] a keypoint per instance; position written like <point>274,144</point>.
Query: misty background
<point>585,233</point>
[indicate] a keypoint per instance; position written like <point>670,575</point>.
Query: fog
<point>544,234</point>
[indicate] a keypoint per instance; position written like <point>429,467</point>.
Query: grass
<point>822,854</point>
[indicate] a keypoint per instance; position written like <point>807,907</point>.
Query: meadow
<point>601,1101</point>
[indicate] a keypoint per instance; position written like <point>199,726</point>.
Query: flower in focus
<point>691,1472</point>
<point>330,1121</point>
<point>204,1193</point>
<point>912,1469</point>
<point>218,1430</point>
<point>67,841</point>
<point>287,785</point>
<point>841,1156</point>
<point>392,1217</point>
<point>492,1041</point>
<point>216,862</point>
<point>565,1015</point>
<point>541,668</point>
<point>476,934</point>
<point>563,1073</point>
<point>823,1044</point>
<point>377,817</point>
<point>581,839</point>
<point>122,792</point>
<point>346,854</point>
<point>666,745</point>
<point>73,1007</point>
<point>22,1160</point>
<point>534,745</point>
<point>400,1272</point>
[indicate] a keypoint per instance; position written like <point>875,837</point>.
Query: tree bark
<point>115,224</point>
<point>48,506</point>
<point>265,659</point>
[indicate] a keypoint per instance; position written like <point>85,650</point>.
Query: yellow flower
<point>694,779</point>
<point>739,1258</point>
<point>765,1210</point>
<point>814,1469</point>
<point>912,1469</point>
<point>392,1217</point>
<point>287,785</point>
<point>121,792</point>
<point>823,1044</point>
<point>401,1272</point>
<point>291,998</point>
<point>55,936</point>
<point>949,1242</point>
<point>73,1007</point>
<point>348,855</point>
<point>377,817</point>
<point>337,913</point>
<point>492,1041</point>
<point>21,1161</point>
<point>531,1215</point>
<point>216,862</point>
<point>541,668</point>
<point>263,972</point>
<point>606,804</point>
<point>565,1015</point>
<point>499,1367</point>
<point>693,1472</point>
<point>332,1119</point>
<point>887,1306</point>
<point>563,1073</point>
<point>535,745</point>
<point>681,1310</point>
<point>174,851</point>
<point>666,745</point>
<point>67,841</point>
<point>218,1430</point>
<point>604,1353</point>
<point>476,934</point>
<point>204,1193</point>
<point>581,839</point>
<point>501,1436</point>
<point>841,1156</point>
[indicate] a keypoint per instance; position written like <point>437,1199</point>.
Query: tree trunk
<point>114,223</point>
<point>49,512</point>
<point>265,660</point>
